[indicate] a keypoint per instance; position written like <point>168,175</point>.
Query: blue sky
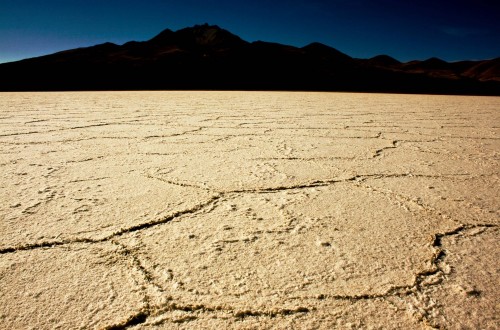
<point>451,30</point>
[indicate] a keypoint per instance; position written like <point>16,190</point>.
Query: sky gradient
<point>451,30</point>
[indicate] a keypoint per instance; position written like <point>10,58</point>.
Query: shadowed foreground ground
<point>248,210</point>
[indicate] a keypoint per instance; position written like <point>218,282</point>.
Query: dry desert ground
<point>249,210</point>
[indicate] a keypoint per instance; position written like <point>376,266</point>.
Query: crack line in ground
<point>418,283</point>
<point>378,153</point>
<point>218,195</point>
<point>143,315</point>
<point>138,227</point>
<point>57,130</point>
<point>173,134</point>
<point>305,158</point>
<point>439,258</point>
<point>156,310</point>
<point>91,179</point>
<point>180,184</point>
<point>396,291</point>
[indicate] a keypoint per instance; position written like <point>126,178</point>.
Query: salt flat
<point>148,210</point>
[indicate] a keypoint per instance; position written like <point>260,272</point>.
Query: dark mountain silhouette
<point>484,70</point>
<point>208,57</point>
<point>383,61</point>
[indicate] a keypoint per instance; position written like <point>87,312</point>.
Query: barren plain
<point>245,210</point>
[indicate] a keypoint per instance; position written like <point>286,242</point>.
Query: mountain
<point>383,61</point>
<point>208,57</point>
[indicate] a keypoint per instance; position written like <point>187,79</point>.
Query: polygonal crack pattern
<point>248,210</point>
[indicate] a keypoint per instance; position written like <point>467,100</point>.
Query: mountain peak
<point>384,60</point>
<point>435,61</point>
<point>165,35</point>
<point>324,51</point>
<point>204,35</point>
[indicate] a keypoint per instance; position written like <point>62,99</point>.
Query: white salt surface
<point>248,210</point>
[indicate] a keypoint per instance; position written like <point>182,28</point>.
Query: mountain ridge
<point>209,57</point>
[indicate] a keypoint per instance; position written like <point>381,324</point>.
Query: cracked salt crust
<point>248,210</point>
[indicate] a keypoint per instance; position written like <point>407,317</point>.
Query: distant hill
<point>207,57</point>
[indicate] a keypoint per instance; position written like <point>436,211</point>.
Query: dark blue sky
<point>406,30</point>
